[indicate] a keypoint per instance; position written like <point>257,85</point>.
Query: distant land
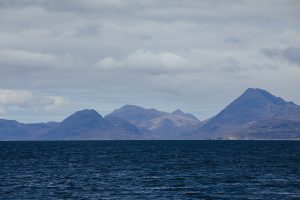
<point>255,115</point>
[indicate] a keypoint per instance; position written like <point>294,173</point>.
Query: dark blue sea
<point>150,170</point>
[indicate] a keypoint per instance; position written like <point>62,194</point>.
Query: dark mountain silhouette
<point>252,106</point>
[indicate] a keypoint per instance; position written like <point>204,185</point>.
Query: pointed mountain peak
<point>85,116</point>
<point>260,96</point>
<point>256,91</point>
<point>253,105</point>
<point>178,112</point>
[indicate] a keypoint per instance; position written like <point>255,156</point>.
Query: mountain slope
<point>170,126</point>
<point>252,106</point>
<point>89,125</point>
<point>14,130</point>
<point>157,124</point>
<point>187,115</point>
<point>268,130</point>
<point>123,125</point>
<point>135,114</point>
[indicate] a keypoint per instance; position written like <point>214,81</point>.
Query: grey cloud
<point>25,58</point>
<point>290,54</point>
<point>232,65</point>
<point>25,99</point>
<point>195,55</point>
<point>28,62</point>
<point>232,40</point>
<point>271,52</point>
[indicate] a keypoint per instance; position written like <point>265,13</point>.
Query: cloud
<point>51,103</point>
<point>14,97</point>
<point>108,63</point>
<point>196,54</point>
<point>232,40</point>
<point>11,57</point>
<point>23,99</point>
<point>290,54</point>
<point>146,61</point>
<point>10,98</point>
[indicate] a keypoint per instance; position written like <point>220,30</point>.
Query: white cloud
<point>10,98</point>
<point>23,99</point>
<point>108,63</point>
<point>146,61</point>
<point>14,97</point>
<point>51,103</point>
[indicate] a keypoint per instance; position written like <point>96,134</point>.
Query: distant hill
<point>14,130</point>
<point>90,125</point>
<point>136,115</point>
<point>253,106</point>
<point>157,124</point>
<point>186,115</point>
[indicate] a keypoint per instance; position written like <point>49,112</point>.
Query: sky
<point>60,56</point>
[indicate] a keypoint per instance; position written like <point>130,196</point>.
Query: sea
<point>150,170</point>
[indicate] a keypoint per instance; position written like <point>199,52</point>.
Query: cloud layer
<point>194,55</point>
<point>25,100</point>
<point>145,61</point>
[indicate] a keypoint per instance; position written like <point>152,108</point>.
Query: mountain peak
<point>256,91</point>
<point>186,115</point>
<point>131,106</point>
<point>253,105</point>
<point>86,116</point>
<point>260,96</point>
<point>87,112</point>
<point>178,112</point>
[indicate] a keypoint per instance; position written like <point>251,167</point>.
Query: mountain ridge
<point>255,114</point>
<point>157,124</point>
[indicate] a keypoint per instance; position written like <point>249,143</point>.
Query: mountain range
<point>255,115</point>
